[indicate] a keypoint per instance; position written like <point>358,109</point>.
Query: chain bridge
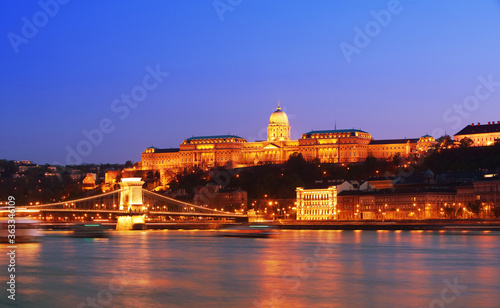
<point>130,199</point>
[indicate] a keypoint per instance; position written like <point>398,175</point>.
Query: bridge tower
<point>131,196</point>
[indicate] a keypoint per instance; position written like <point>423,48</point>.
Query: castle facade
<point>329,146</point>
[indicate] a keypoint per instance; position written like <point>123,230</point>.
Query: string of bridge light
<point>185,203</point>
<point>77,200</point>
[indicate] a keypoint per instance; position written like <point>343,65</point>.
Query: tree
<point>370,161</point>
<point>129,164</point>
<point>444,141</point>
<point>449,212</point>
<point>397,159</point>
<point>474,207</point>
<point>466,142</point>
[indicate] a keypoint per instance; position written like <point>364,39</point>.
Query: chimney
<point>478,123</point>
<point>472,124</point>
<point>489,123</point>
<point>498,122</point>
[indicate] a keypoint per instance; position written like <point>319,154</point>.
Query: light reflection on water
<point>295,269</point>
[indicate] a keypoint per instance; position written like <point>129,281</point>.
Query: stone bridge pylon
<point>131,195</point>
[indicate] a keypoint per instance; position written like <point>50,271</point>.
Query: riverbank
<point>445,225</point>
<point>434,224</point>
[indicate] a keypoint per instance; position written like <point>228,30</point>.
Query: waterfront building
<point>317,204</point>
<point>396,204</point>
<point>481,135</point>
<point>328,146</point>
<point>486,192</point>
<point>421,200</point>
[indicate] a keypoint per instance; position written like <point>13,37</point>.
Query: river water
<point>293,269</point>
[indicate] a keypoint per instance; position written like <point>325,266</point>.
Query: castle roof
<point>394,141</point>
<point>479,129</point>
<point>214,137</point>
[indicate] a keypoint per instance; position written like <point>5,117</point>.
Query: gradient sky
<point>226,75</point>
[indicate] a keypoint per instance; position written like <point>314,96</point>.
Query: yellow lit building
<point>386,149</point>
<point>481,135</point>
<point>317,204</point>
<point>329,146</point>
<point>427,203</point>
<point>334,146</point>
<point>88,182</point>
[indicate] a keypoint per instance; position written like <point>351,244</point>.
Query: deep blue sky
<point>226,76</point>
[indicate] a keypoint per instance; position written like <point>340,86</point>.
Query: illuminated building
<point>481,135</point>
<point>387,149</point>
<point>317,204</point>
<point>399,204</point>
<point>88,182</point>
<point>485,191</point>
<point>329,146</point>
<point>334,146</point>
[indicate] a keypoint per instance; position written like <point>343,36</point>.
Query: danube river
<point>293,269</point>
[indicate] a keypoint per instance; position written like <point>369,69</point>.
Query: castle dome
<point>278,117</point>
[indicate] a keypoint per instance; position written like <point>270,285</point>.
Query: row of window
<point>315,196</point>
<point>316,212</point>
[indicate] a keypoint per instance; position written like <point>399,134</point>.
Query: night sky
<point>106,79</point>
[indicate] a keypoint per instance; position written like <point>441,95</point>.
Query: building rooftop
<point>479,129</point>
<point>214,137</point>
<point>394,141</point>
<point>335,131</point>
<point>172,150</point>
<point>399,191</point>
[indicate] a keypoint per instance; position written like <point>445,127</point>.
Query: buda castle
<point>329,146</point>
